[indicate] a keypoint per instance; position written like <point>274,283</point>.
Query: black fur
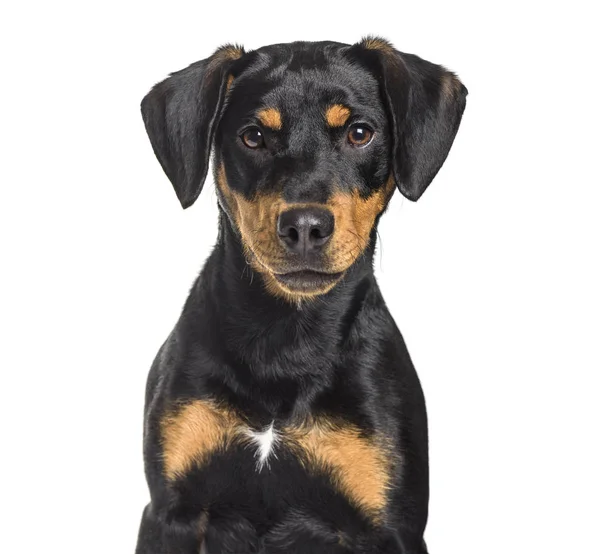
<point>339,355</point>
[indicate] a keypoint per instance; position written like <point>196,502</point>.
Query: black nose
<point>305,229</point>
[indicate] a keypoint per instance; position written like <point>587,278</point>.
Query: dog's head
<point>310,140</point>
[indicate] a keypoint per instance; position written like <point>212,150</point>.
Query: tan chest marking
<point>359,466</point>
<point>191,433</point>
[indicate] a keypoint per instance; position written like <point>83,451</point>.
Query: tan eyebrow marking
<point>270,117</point>
<point>337,115</point>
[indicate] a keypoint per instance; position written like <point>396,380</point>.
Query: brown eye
<point>253,138</point>
<point>359,135</point>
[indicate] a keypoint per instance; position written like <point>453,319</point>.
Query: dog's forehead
<point>300,76</point>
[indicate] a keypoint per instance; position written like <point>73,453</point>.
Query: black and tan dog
<point>283,413</point>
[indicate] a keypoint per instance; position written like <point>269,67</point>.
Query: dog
<point>283,413</point>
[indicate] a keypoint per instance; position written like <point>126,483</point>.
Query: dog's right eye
<point>253,138</point>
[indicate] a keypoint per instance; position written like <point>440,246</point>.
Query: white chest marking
<point>264,441</point>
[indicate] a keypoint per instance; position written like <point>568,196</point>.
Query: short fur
<point>317,376</point>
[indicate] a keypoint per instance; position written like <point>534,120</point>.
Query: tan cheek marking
<point>337,115</point>
<point>191,433</point>
<point>256,219</point>
<point>359,466</point>
<point>271,118</point>
<point>354,220</point>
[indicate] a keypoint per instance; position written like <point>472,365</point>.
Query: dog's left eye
<point>253,138</point>
<point>359,135</point>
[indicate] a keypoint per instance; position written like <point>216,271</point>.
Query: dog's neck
<point>258,328</point>
<point>274,353</point>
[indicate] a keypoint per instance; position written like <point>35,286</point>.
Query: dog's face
<point>310,140</point>
<point>302,157</point>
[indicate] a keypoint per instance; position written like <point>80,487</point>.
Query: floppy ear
<point>425,103</point>
<point>181,114</point>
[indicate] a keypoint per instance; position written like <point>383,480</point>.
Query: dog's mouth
<point>307,281</point>
<point>296,279</point>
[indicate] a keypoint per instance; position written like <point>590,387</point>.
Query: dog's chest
<point>263,443</point>
<point>214,454</point>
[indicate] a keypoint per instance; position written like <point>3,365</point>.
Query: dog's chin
<point>307,282</point>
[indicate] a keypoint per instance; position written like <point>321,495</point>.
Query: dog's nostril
<point>315,233</point>
<point>305,229</point>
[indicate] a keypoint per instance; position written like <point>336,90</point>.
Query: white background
<point>492,276</point>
